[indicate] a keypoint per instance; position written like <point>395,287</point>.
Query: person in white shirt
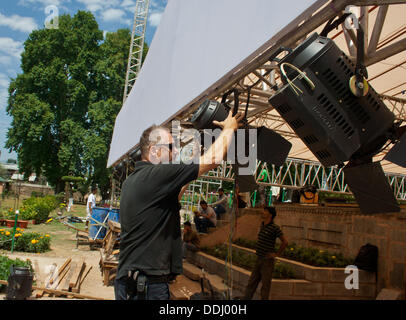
<point>221,204</point>
<point>205,218</point>
<point>91,203</point>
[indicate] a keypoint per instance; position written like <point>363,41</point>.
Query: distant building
<point>15,181</point>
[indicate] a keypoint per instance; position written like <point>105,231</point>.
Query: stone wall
<point>26,189</point>
<point>342,230</point>
<point>323,283</point>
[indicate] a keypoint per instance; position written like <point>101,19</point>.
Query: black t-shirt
<point>150,238</point>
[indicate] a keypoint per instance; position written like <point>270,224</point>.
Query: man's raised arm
<point>213,157</point>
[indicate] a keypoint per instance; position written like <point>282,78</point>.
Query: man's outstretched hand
<point>231,122</point>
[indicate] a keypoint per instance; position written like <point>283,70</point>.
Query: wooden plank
<point>77,274</point>
<point>66,283</point>
<point>64,293</point>
<point>81,279</point>
<point>52,273</point>
<point>60,270</point>
<point>114,226</point>
<point>85,274</point>
<point>107,237</point>
<point>58,281</point>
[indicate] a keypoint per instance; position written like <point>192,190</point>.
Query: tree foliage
<point>64,103</point>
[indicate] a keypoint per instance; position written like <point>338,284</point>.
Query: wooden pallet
<point>109,256</point>
<point>61,281</point>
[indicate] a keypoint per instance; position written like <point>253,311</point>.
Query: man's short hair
<point>187,223</point>
<point>94,189</point>
<point>220,189</point>
<point>272,211</point>
<point>202,202</point>
<point>145,140</point>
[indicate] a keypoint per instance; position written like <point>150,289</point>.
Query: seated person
<point>191,239</point>
<point>205,218</point>
<point>221,204</point>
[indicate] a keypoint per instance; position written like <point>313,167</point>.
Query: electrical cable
<point>301,73</point>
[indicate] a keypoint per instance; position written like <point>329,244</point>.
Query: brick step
<point>194,273</point>
<point>221,223</point>
<point>191,271</point>
<point>183,288</point>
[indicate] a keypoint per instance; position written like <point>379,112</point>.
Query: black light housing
<point>271,147</point>
<point>336,124</point>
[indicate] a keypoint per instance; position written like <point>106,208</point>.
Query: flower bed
<point>6,263</point>
<point>247,261</point>
<point>35,209</point>
<point>24,242</point>
<point>310,256</point>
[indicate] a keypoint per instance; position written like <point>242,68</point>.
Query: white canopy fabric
<point>195,45</point>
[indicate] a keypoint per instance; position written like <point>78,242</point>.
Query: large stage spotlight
<point>319,102</point>
<point>271,147</point>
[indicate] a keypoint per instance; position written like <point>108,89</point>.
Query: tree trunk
<point>59,187</point>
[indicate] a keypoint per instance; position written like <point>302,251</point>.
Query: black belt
<point>158,279</point>
<point>154,278</point>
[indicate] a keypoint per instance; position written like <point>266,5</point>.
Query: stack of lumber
<point>61,281</point>
<point>109,256</point>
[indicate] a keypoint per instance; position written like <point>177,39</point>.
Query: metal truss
<point>296,173</point>
<point>137,45</point>
<point>258,77</point>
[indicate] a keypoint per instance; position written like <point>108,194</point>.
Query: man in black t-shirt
<point>150,239</point>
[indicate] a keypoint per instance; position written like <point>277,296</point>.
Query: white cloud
<point>129,5</point>
<point>99,5</point>
<point>11,47</point>
<point>5,60</point>
<point>43,2</point>
<point>18,23</point>
<point>111,15</point>
<point>4,80</point>
<point>4,83</point>
<point>155,19</point>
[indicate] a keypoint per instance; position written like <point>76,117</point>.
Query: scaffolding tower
<point>136,46</point>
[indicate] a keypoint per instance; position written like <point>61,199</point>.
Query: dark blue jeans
<point>219,211</point>
<point>202,224</point>
<point>155,291</point>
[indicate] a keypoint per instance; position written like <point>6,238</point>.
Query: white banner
<point>195,45</point>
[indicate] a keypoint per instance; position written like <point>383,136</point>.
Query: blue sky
<point>19,17</point>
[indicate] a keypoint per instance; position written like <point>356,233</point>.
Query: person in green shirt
<point>263,177</point>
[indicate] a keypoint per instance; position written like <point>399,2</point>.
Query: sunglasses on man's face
<point>168,145</point>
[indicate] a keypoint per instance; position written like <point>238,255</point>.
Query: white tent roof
<point>204,48</point>
<point>196,44</point>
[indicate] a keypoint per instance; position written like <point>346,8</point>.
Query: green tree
<point>106,104</point>
<point>49,100</point>
<point>65,102</point>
